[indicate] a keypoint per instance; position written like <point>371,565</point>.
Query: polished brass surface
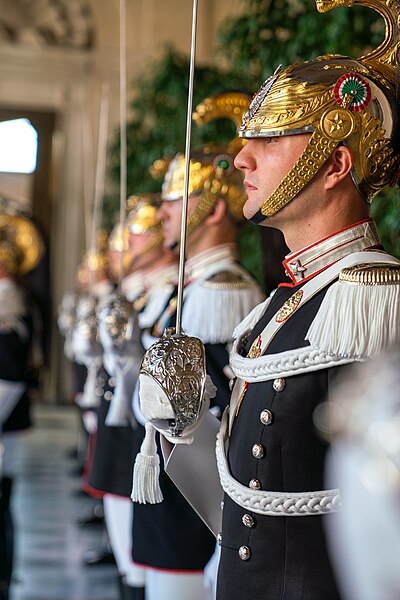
<point>301,99</point>
<point>289,307</point>
<point>371,275</point>
<point>212,173</point>
<point>21,245</point>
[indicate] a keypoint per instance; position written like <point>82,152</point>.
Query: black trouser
<point>6,535</point>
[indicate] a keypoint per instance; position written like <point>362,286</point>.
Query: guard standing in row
<point>322,141</point>
<point>145,290</point>
<point>21,248</point>
<point>218,294</point>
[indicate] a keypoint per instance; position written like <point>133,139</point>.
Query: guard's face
<point>265,162</point>
<point>170,214</point>
<point>137,242</point>
<point>114,260</point>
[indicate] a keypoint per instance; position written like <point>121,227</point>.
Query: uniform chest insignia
<point>289,307</point>
<point>255,348</point>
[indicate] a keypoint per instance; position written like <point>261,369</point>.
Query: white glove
<point>89,418</point>
<point>211,572</point>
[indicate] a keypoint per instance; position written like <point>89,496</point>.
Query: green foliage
<point>386,211</point>
<point>274,32</point>
<point>157,125</point>
<point>266,34</point>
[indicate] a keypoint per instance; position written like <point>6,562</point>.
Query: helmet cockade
<point>337,100</point>
<point>177,364</point>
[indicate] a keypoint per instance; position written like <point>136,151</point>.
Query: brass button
<point>279,384</point>
<point>219,539</point>
<point>112,381</point>
<point>258,450</point>
<point>254,484</point>
<point>244,552</point>
<point>266,417</point>
<point>248,521</point>
<point>99,391</point>
<point>108,395</point>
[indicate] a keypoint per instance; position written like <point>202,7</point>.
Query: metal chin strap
<point>336,125</point>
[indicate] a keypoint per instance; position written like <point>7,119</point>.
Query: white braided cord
<point>272,504</point>
<point>285,364</point>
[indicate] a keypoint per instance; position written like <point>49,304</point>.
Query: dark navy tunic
<point>288,555</point>
<point>14,357</point>
<point>115,450</point>
<point>170,535</point>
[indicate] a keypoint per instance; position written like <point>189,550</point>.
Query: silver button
<point>108,396</point>
<point>219,539</point>
<point>222,505</point>
<point>232,383</point>
<point>100,381</point>
<point>248,521</point>
<point>279,384</point>
<point>254,484</point>
<point>266,417</point>
<point>112,381</point>
<point>244,552</point>
<point>258,451</point>
<point>99,391</point>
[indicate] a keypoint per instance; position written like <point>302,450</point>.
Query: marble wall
<point>52,67</point>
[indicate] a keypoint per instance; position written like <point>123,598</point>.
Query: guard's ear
<point>338,166</point>
<point>217,214</point>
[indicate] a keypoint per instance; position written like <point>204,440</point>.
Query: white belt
<point>271,504</point>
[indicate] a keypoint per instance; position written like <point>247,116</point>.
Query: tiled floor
<point>49,546</point>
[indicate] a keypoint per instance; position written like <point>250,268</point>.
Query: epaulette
<point>140,302</point>
<point>226,280</point>
<point>214,306</point>
<point>360,313</point>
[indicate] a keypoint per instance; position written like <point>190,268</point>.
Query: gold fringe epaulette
<point>371,275</point>
<point>140,302</point>
<point>226,280</point>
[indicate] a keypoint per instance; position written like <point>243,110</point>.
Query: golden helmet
<point>212,174</point>
<point>118,243</point>
<point>21,245</point>
<point>118,238</point>
<point>95,259</point>
<point>143,219</point>
<point>338,100</point>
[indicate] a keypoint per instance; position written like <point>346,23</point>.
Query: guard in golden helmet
<point>125,318</point>
<point>21,249</point>
<point>323,139</point>
<point>218,294</point>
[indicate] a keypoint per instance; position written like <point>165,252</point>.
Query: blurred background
<point>54,57</point>
<point>55,54</point>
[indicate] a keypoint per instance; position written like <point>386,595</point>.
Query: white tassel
<point>146,472</point>
<point>212,314</point>
<point>359,321</point>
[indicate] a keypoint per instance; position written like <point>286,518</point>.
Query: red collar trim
<point>298,263</point>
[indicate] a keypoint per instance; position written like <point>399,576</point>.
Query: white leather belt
<point>271,504</point>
